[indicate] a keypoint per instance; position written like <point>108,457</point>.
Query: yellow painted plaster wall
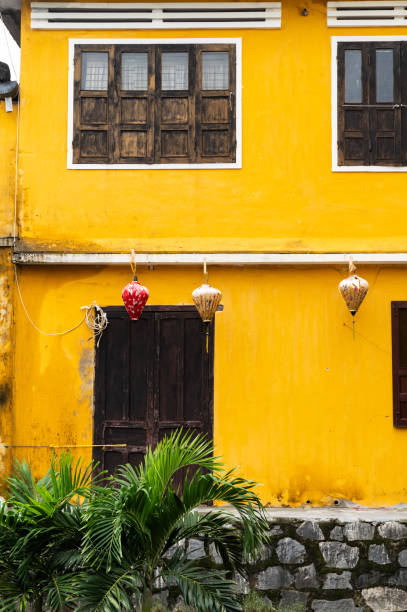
<point>284,198</point>
<point>300,405</point>
<point>8,137</point>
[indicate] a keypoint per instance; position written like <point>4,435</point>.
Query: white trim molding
<point>367,14</point>
<point>156,41</point>
<point>334,103</point>
<point>213,259</point>
<point>154,15</point>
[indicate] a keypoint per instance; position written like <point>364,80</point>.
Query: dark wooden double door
<point>152,376</point>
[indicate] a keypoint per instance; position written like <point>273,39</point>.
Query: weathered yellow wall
<point>305,409</point>
<point>300,405</point>
<point>284,198</point>
<point>6,362</point>
<point>8,136</point>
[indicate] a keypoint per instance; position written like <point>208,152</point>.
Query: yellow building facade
<point>302,404</point>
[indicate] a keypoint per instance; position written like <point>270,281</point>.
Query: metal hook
<point>205,270</point>
<point>133,263</point>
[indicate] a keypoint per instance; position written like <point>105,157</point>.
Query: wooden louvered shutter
<point>183,379</point>
<point>399,356</point>
<point>152,376</point>
<point>403,96</point>
<point>353,100</point>
<point>175,104</point>
<point>216,107</point>
<point>93,108</point>
<point>134,114</point>
<point>385,110</point>
<point>124,402</point>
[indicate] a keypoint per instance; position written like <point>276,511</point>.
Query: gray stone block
<point>403,558</point>
<point>392,530</point>
<point>359,531</point>
<point>242,584</point>
<point>378,554</point>
<point>399,578</point>
<point>161,598</point>
<point>338,581</point>
<point>385,599</point>
<point>290,551</point>
<point>275,531</point>
<point>336,533</point>
<point>274,578</point>
<point>340,605</point>
<point>338,555</point>
<point>214,555</point>
<point>292,598</point>
<point>171,551</point>
<point>311,531</point>
<point>306,577</point>
<point>195,550</point>
<point>370,579</point>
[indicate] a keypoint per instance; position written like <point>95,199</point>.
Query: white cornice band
<point>217,259</point>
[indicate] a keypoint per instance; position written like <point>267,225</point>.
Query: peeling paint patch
<point>86,374</point>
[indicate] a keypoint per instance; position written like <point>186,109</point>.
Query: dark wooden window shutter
<point>134,113</point>
<point>399,355</point>
<point>93,112</point>
<point>153,121</point>
<point>152,376</point>
<point>370,109</point>
<point>216,111</point>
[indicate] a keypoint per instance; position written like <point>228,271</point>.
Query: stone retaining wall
<point>326,565</point>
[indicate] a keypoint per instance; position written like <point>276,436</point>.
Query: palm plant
<point>135,528</point>
<point>67,543</point>
<point>40,535</point>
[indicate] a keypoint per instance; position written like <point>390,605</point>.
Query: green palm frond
<point>105,521</point>
<point>204,589</point>
<point>178,451</point>
<point>60,592</point>
<point>109,592</point>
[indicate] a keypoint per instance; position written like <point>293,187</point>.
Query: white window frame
<point>334,103</point>
<point>156,41</point>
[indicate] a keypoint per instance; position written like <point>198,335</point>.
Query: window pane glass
<point>353,76</point>
<point>134,71</point>
<point>215,70</point>
<point>94,71</point>
<point>403,336</point>
<point>384,75</point>
<point>174,71</point>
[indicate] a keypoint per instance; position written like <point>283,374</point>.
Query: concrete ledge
<point>217,259</point>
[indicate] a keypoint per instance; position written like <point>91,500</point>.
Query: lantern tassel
<point>207,338</point>
<point>353,328</point>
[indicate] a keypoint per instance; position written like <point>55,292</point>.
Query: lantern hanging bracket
<point>133,263</point>
<point>205,271</point>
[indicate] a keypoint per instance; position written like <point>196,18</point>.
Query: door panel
<point>152,376</point>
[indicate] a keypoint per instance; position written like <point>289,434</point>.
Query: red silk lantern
<point>135,297</point>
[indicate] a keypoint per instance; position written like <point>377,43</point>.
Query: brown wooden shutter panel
<point>385,118</point>
<point>369,132</point>
<point>403,100</point>
<point>399,357</point>
<point>353,119</point>
<point>92,133</point>
<point>175,112</point>
<point>216,112</point>
<point>134,113</point>
<point>152,376</point>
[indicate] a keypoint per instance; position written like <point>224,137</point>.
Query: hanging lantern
<point>206,300</point>
<point>353,289</point>
<point>134,295</point>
